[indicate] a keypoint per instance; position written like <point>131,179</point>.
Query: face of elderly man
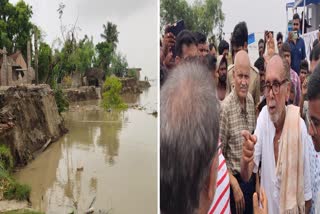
<point>241,74</point>
<point>277,89</point>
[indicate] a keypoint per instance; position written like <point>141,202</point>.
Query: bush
<point>67,81</point>
<point>6,160</point>
<point>132,73</point>
<point>111,96</point>
<point>17,191</point>
<point>61,100</point>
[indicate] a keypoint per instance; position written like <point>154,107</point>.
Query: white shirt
<point>265,132</point>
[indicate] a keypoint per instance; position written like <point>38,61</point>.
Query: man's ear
<point>245,46</point>
<point>213,177</point>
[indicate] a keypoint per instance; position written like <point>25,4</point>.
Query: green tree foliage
<point>111,97</point>
<point>132,73</point>
<point>119,65</point>
<point>110,34</point>
<point>202,16</point>
<point>45,61</point>
<point>15,26</point>
<point>106,48</point>
<point>104,51</point>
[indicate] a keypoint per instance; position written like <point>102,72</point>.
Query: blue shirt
<point>298,53</point>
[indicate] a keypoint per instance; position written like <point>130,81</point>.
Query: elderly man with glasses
<point>280,145</point>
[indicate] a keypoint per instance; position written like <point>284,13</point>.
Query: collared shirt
<point>254,84</point>
<point>221,201</point>
<point>298,53</point>
<point>232,121</point>
<point>297,87</point>
<point>264,152</point>
<point>314,175</point>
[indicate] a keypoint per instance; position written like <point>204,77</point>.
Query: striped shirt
<point>221,201</point>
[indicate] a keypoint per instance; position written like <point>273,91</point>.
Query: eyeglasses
<point>295,24</point>
<point>275,86</point>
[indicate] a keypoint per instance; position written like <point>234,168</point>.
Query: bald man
<point>237,114</point>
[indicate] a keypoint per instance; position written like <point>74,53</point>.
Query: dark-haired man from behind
<point>223,48</point>
<point>239,41</point>
<point>315,57</point>
<point>298,49</point>
<point>202,44</point>
<point>314,130</point>
<point>185,46</point>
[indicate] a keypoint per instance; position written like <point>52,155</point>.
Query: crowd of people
<point>238,136</point>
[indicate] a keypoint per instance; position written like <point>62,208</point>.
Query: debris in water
<point>80,168</point>
<point>90,210</point>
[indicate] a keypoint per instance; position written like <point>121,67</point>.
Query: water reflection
<point>89,163</point>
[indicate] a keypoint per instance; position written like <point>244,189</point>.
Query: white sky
<point>136,21</point>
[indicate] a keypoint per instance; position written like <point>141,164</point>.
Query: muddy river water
<point>108,159</point>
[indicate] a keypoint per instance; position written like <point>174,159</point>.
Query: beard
<point>222,79</point>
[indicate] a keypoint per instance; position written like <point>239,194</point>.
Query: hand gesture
<point>264,202</point>
<point>248,146</point>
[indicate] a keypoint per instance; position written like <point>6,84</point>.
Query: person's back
<point>189,134</point>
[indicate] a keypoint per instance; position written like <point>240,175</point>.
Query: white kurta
<point>265,132</point>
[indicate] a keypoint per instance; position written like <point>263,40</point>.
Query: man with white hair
<point>280,145</point>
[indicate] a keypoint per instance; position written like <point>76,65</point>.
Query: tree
<point>15,26</point>
<point>45,61</point>
<point>106,48</point>
<point>104,51</point>
<point>203,16</point>
<point>119,65</point>
<point>110,34</point>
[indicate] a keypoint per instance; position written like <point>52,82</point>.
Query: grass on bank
<point>8,186</point>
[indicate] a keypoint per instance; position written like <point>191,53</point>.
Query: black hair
<point>304,65</point>
<point>285,48</point>
<point>185,37</point>
<point>200,37</point>
<point>211,62</point>
<point>279,36</point>
<point>239,35</point>
<point>222,46</point>
<point>259,63</point>
<point>316,53</point>
<point>261,41</point>
<point>212,45</point>
<point>296,16</point>
<point>313,84</point>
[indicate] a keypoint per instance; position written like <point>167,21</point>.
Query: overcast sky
<point>136,21</point>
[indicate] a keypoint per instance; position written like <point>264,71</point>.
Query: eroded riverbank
<point>109,156</point>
